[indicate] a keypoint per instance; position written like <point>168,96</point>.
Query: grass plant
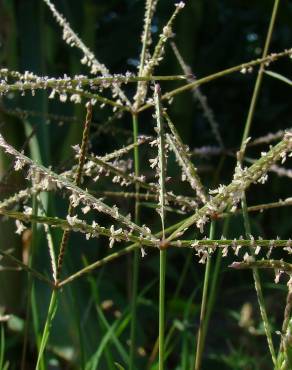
<point>99,232</point>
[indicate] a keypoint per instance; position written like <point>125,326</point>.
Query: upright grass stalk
<point>162,256</point>
<point>214,283</point>
<point>247,127</point>
<point>258,287</point>
<point>30,304</point>
<point>201,338</point>
<point>162,270</point>
<point>259,79</point>
<point>135,271</point>
<point>50,316</point>
<point>146,41</point>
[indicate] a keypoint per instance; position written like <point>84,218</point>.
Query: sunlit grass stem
<point>135,260</point>
<point>247,226</point>
<point>200,338</point>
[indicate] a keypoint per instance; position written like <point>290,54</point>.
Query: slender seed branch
<point>135,260</point>
<point>244,66</point>
<point>78,178</point>
<point>200,339</point>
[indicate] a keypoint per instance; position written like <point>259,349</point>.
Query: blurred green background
<point>211,35</point>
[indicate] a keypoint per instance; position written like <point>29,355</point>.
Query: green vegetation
<point>144,221</point>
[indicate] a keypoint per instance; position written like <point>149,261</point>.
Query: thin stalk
<point>73,83</point>
<point>135,272</point>
<point>284,352</point>
<point>223,73</point>
<point>29,302</point>
<point>214,283</point>
<point>162,269</point>
<point>150,7</point>
<point>247,127</point>
<point>182,155</point>
<point>226,196</point>
<point>50,316</point>
<point>265,264</point>
<point>24,267</point>
<point>260,74</point>
<point>77,181</point>
<point>258,287</point>
<point>80,226</point>
<point>197,94</point>
<point>200,340</point>
<point>162,256</point>
<point>182,277</point>
<point>111,257</point>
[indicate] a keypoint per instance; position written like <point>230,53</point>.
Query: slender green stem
<point>162,256</point>
<point>77,181</point>
<point>175,295</point>
<point>247,127</point>
<point>162,268</point>
<point>258,287</point>
<point>111,257</point>
<point>214,76</point>
<point>50,316</point>
<point>260,75</point>
<point>135,271</point>
<point>30,303</point>
<point>24,267</point>
<point>214,283</point>
<point>200,340</point>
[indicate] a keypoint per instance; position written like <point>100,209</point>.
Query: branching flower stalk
<point>146,43</point>
<point>217,203</point>
<point>31,81</point>
<point>72,39</point>
<point>125,179</point>
<point>146,35</point>
<point>278,265</point>
<point>231,194</point>
<point>24,195</point>
<point>239,68</point>
<point>96,230</point>
<point>74,224</point>
<point>157,56</point>
<point>52,180</point>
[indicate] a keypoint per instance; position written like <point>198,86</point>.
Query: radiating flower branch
<point>239,68</point>
<point>48,179</point>
<point>73,40</point>
<point>181,151</point>
<point>231,194</point>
